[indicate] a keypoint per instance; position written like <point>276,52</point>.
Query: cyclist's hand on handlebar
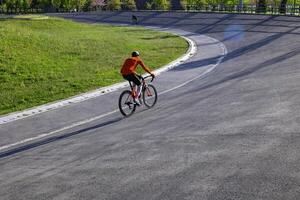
<point>153,76</point>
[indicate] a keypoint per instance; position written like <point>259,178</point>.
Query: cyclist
<point>128,73</point>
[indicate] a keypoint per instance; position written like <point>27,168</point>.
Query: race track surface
<point>226,125</point>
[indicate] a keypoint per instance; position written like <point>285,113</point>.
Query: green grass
<point>51,59</point>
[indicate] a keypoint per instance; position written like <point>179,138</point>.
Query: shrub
<point>87,5</point>
<point>162,4</point>
<point>130,4</point>
<point>56,3</point>
<point>148,5</point>
<point>114,5</point>
<point>25,5</point>
<point>97,3</point>
<point>183,4</point>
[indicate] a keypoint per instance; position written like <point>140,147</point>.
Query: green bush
<point>24,5</point>
<point>56,3</point>
<point>114,4</point>
<point>183,4</point>
<point>148,5</point>
<point>3,7</point>
<point>87,5</point>
<point>130,4</point>
<point>162,4</point>
<point>79,4</point>
<point>191,4</point>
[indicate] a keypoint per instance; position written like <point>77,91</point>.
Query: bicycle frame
<point>144,85</point>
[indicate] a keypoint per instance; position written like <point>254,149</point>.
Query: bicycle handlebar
<point>146,77</point>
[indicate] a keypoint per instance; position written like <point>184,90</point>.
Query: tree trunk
<point>176,5</point>
<point>261,6</point>
<point>140,4</point>
<point>282,8</point>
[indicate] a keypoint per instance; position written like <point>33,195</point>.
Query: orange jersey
<point>131,64</point>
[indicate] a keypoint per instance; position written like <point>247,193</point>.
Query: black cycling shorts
<point>132,78</point>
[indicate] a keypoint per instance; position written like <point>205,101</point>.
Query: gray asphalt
<point>230,134</point>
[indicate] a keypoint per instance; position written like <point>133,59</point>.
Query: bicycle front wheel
<point>126,103</point>
<point>149,96</point>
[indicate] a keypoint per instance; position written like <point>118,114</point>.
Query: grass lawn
<point>48,59</point>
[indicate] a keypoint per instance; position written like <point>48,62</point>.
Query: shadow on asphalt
<point>55,138</point>
<point>251,70</point>
<point>198,64</point>
<point>254,46</point>
<point>244,50</point>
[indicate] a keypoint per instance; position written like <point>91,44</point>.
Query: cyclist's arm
<point>144,67</point>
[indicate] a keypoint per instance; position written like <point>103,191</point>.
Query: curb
<point>95,93</point>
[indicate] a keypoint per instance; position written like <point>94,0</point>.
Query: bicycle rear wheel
<point>126,103</point>
<point>149,96</point>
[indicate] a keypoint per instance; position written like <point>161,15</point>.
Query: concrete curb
<point>95,93</point>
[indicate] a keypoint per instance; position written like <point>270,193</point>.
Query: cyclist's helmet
<point>135,54</point>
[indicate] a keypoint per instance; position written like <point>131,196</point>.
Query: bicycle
<point>148,97</point>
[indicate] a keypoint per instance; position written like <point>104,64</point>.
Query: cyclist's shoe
<point>137,102</point>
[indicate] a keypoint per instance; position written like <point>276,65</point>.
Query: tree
<point>57,4</point>
<point>72,4</point>
<point>98,3</point>
<point>78,4</point>
<point>3,6</point>
<point>282,8</point>
<point>87,5</point>
<point>25,5</point>
<point>176,5</point>
<point>114,4</point>
<point>10,5</point>
<point>261,7</point>
<point>45,4</point>
<point>183,4</point>
<point>130,4</point>
<point>34,4</point>
<point>148,5</point>
<point>192,4</point>
<point>162,4</point>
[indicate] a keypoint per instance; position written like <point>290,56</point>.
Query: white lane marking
<point>114,111</point>
<point>58,130</point>
<point>205,72</point>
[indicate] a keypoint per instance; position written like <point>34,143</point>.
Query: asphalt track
<point>226,125</point>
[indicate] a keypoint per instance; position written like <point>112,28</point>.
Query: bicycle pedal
<point>137,102</point>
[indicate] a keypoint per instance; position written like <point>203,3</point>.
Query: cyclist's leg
<point>138,90</point>
<point>136,85</point>
<point>134,89</point>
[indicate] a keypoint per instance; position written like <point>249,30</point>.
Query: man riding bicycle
<point>128,72</point>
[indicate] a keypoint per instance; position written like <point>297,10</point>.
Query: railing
<point>246,8</point>
<point>21,11</point>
